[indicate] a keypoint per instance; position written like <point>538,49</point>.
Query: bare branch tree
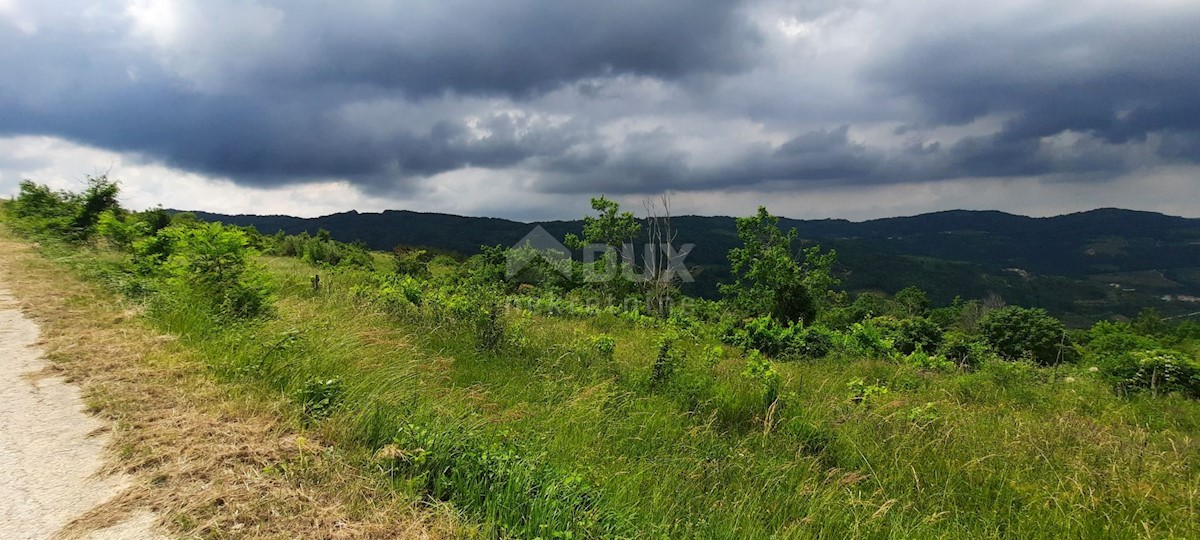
<point>659,276</point>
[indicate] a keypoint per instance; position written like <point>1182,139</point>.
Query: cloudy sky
<point>525,108</point>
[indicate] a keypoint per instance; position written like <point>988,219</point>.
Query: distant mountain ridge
<point>1080,263</point>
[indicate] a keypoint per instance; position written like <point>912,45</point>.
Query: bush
<point>211,263</point>
<point>1160,371</point>
<point>910,334</point>
<point>812,342</point>
<point>121,233</point>
<point>67,215</point>
<point>868,340</point>
<point>759,369</point>
<point>964,349</point>
<point>762,334</point>
<point>1018,333</point>
<point>922,359</point>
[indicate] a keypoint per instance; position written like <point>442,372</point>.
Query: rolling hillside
<point>1088,265</point>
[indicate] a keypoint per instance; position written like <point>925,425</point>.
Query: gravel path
<point>50,450</point>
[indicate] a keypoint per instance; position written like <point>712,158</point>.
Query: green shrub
<point>527,497</point>
<point>760,370</point>
<point>605,346</point>
<point>121,233</point>
<point>1159,371</point>
<point>67,215</point>
<point>319,397</point>
<point>924,360</point>
<point>1018,333</point>
<point>210,263</point>
<point>812,342</point>
<point>861,392</point>
<point>964,349</point>
<point>668,361</point>
<point>866,339</point>
<point>911,333</point>
<point>763,334</point>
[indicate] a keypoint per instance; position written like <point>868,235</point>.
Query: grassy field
<point>537,424</point>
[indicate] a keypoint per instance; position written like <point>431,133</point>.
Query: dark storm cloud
<point>277,120</point>
<point>519,47</point>
<point>1118,77</point>
<point>615,96</point>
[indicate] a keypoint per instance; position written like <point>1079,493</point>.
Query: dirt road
<point>50,449</point>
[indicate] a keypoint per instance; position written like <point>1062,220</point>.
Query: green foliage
<point>212,264</point>
<point>99,197</point>
<point>910,334</point>
<point>605,346</point>
<point>862,393</point>
<point>813,342</point>
<point>1149,323</point>
<point>1159,371</point>
<point>67,215</point>
<point>555,271</point>
<point>119,232</point>
<point>759,369</point>
<point>913,301</point>
<point>921,359</point>
<point>1018,333</point>
<point>498,482</point>
<point>611,227</point>
<point>867,340</point>
<point>411,262</point>
<point>769,280</point>
<point>1186,330</point>
<point>319,397</point>
<point>321,250</point>
<point>770,337</point>
<point>667,362</point>
<point>964,350</point>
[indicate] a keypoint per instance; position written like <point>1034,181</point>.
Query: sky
<point>525,109</point>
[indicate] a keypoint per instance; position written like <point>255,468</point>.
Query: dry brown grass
<point>208,461</point>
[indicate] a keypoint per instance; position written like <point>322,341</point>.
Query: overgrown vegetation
<point>548,405</point>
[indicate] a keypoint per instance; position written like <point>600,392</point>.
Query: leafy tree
<point>768,279</point>
<point>1018,333</point>
<point>99,197</point>
<point>913,301</point>
<point>612,227</point>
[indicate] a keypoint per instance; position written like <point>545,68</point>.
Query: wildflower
<point>1093,369</point>
<point>1069,380</point>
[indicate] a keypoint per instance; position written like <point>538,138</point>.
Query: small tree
<point>913,301</point>
<point>768,279</point>
<point>612,229</point>
<point>659,276</point>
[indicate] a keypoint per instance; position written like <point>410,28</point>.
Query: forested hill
<point>1097,263</point>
